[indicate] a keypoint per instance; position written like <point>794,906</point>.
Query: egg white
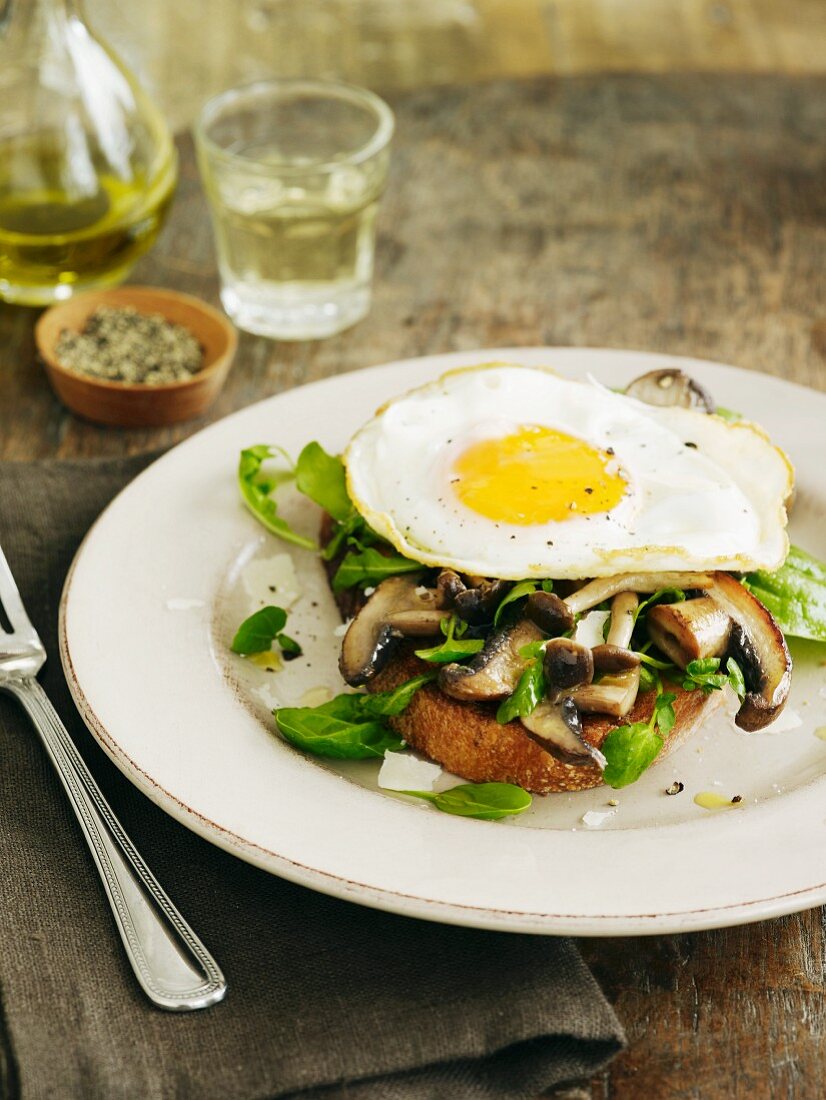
<point>717,503</point>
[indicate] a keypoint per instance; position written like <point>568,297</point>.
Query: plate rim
<point>326,882</point>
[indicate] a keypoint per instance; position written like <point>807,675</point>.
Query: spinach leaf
<point>256,487</point>
<point>350,726</point>
<point>453,648</point>
<point>484,801</point>
<point>369,567</point>
<point>387,703</point>
<point>321,731</point>
<point>257,633</point>
<point>795,594</point>
<point>529,691</point>
<point>321,477</point>
<point>631,749</point>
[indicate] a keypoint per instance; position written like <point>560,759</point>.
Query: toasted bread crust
<point>466,739</point>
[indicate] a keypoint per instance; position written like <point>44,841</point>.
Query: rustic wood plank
<point>192,49</point>
<point>683,214</point>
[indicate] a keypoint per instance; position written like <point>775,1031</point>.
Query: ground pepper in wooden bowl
<point>135,357</point>
<point>124,345</point>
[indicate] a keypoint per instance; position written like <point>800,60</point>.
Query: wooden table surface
<point>682,214</point>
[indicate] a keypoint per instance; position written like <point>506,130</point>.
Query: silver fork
<point>172,965</point>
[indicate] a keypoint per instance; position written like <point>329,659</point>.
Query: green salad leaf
<point>370,567</point>
<point>257,633</point>
<point>529,691</point>
<point>484,801</point>
<point>631,749</point>
<point>350,726</point>
<point>795,594</point>
<point>257,485</point>
<point>324,732</point>
<point>454,647</point>
<point>321,477</point>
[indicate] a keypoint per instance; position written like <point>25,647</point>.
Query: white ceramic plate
<point>172,566</point>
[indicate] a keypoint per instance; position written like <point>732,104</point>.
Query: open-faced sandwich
<point>548,583</point>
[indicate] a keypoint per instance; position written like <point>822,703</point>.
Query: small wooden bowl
<point>134,405</point>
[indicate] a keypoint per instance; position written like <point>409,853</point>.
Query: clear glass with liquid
<point>294,171</point>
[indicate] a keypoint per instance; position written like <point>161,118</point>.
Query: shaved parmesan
<point>590,627</point>
<point>401,771</point>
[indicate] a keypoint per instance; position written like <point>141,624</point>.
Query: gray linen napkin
<point>327,1000</point>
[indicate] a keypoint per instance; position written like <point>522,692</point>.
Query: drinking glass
<point>293,170</point>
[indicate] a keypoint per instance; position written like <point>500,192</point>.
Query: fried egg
<point>514,472</point>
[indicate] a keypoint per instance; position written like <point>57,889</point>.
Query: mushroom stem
<point>603,588</point>
<point>690,630</point>
<point>616,693</point>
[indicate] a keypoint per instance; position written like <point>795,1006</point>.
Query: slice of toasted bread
<point>466,739</point>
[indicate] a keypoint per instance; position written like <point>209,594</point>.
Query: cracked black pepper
<point>124,345</point>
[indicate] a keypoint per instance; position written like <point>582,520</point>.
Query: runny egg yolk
<point>536,475</point>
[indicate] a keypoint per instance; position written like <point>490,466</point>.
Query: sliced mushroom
<point>605,587</point>
<point>567,664</point>
<point>478,604</point>
<point>757,643</point>
<point>557,728</point>
<point>616,693</point>
<point>493,673</point>
<point>418,624</point>
<point>549,612</point>
<point>614,658</point>
<point>450,585</point>
<point>690,630</point>
<point>671,387</point>
<point>399,606</point>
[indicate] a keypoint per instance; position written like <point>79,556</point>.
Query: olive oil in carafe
<point>56,239</point>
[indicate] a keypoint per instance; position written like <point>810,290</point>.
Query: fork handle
<point>172,965</point>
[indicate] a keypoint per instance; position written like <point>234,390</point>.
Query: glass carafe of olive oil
<point>87,164</point>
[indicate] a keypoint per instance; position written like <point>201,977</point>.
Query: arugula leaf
<point>349,727</point>
<point>289,647</point>
<point>728,414</point>
<point>369,567</point>
<point>484,801</point>
<point>257,633</point>
<point>795,594</point>
<point>321,477</point>
<point>529,691</point>
<point>388,703</point>
<point>452,648</point>
<point>256,486</point>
